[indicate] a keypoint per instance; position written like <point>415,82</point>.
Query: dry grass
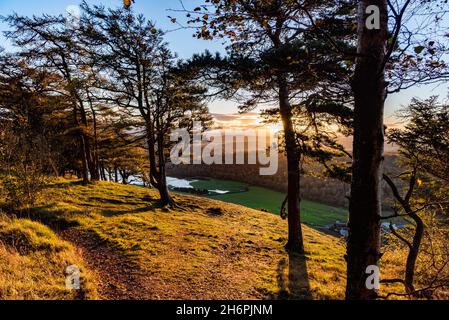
<point>32,263</point>
<point>206,249</point>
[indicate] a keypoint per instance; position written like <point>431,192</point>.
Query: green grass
<point>202,249</point>
<point>192,252</point>
<point>313,213</point>
<point>33,260</point>
<point>214,184</point>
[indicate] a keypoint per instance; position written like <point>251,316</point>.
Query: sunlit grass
<point>312,213</point>
<point>203,249</point>
<point>239,248</point>
<point>33,261</point>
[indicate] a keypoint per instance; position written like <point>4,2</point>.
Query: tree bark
<point>295,239</point>
<point>96,157</point>
<point>166,198</point>
<point>415,245</point>
<point>93,169</point>
<point>413,253</point>
<point>369,88</point>
<point>84,169</point>
<point>158,178</point>
<point>103,172</point>
<point>124,177</point>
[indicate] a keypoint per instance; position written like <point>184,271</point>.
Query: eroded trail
<point>203,249</point>
<point>118,277</point>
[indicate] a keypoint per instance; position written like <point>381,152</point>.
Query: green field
<point>313,213</point>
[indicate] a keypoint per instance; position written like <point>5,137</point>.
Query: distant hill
<point>313,188</point>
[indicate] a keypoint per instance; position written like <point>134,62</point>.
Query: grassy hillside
<point>132,249</point>
<point>205,249</point>
<point>33,260</point>
<point>313,213</point>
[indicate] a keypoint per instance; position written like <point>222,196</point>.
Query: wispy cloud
<point>238,121</point>
<point>253,120</point>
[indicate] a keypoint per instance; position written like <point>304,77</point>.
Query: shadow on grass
<point>293,279</point>
<point>49,215</point>
<point>64,184</point>
<point>112,213</point>
<point>116,203</point>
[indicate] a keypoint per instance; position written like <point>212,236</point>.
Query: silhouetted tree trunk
<point>103,172</point>
<point>413,253</point>
<point>369,89</point>
<point>84,169</point>
<point>94,174</point>
<point>166,198</point>
<point>295,240</point>
<point>418,235</point>
<point>158,177</point>
<point>95,154</point>
<point>125,177</point>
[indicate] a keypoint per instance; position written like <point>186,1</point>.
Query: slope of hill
<point>205,249</point>
<point>314,187</point>
<point>33,260</point>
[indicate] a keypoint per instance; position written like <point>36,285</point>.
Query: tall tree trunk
<point>166,198</point>
<point>96,156</point>
<point>84,169</point>
<point>158,178</point>
<point>93,169</point>
<point>124,177</point>
<point>365,207</point>
<point>295,239</point>
<point>103,172</point>
<point>413,253</point>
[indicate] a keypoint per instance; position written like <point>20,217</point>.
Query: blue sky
<point>181,41</point>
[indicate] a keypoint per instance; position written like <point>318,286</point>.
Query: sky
<point>182,42</point>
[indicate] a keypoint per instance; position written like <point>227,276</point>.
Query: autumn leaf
<point>419,182</point>
<point>127,3</point>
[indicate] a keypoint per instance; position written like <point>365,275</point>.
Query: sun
<point>274,128</point>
